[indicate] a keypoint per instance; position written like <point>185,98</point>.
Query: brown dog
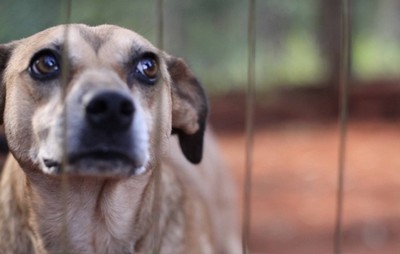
<point>106,132</point>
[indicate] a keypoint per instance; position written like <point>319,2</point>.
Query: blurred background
<point>296,108</point>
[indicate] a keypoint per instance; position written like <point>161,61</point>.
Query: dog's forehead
<point>94,36</point>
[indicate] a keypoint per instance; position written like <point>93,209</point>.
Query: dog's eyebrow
<point>133,54</point>
<point>56,46</point>
<point>136,51</point>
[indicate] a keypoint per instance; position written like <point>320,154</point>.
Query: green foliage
<point>296,61</point>
<point>375,58</point>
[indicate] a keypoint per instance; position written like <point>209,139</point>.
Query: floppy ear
<point>189,109</point>
<point>5,53</point>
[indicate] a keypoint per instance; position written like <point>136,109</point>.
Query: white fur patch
<point>141,139</point>
<point>140,171</point>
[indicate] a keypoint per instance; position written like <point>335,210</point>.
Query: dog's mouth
<point>96,163</point>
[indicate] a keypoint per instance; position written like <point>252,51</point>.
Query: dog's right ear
<point>5,53</point>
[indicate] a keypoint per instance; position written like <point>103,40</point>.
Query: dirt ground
<point>295,182</point>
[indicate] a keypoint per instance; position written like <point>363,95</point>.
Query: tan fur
<point>175,206</point>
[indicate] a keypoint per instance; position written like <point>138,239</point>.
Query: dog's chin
<point>95,165</point>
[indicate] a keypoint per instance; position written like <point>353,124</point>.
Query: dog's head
<point>96,101</point>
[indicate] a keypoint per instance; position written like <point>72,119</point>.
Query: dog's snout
<point>110,110</point>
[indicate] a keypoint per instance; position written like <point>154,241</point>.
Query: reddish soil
<point>295,177</point>
<point>295,184</point>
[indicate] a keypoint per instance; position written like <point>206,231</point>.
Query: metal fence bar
<point>249,127</point>
<point>66,19</point>
<point>156,245</point>
<point>160,25</point>
<point>343,120</point>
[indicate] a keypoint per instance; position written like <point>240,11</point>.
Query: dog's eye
<point>44,65</point>
<point>147,68</point>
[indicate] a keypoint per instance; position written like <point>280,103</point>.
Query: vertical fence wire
<point>160,24</point>
<point>250,97</point>
<point>66,19</point>
<point>343,120</point>
<point>158,123</point>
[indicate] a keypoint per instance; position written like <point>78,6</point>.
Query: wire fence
<point>343,101</point>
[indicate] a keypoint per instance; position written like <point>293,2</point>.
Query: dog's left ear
<point>189,109</point>
<point>5,53</point>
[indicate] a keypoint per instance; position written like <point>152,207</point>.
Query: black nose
<point>110,110</point>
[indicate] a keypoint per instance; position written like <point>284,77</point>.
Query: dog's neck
<point>89,215</point>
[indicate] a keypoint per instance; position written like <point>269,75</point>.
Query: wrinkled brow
<point>96,40</point>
